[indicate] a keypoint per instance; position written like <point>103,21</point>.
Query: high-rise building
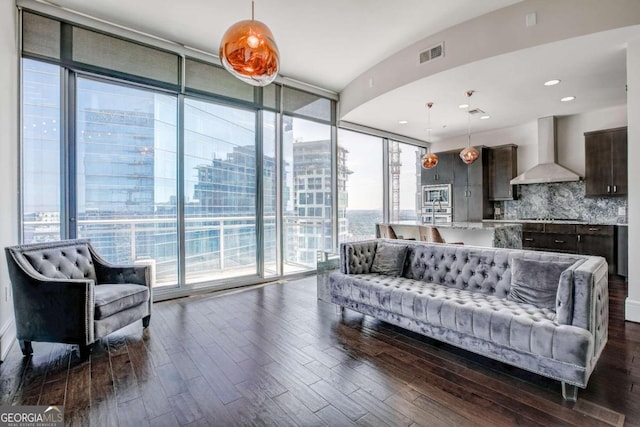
<point>310,227</point>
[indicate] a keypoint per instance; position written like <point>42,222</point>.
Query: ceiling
<point>509,87</point>
<point>328,43</point>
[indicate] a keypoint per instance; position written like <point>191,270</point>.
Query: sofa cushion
<point>520,326</point>
<point>112,299</point>
<point>389,259</point>
<point>536,282</point>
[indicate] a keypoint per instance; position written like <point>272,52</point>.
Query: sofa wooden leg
<point>85,351</point>
<point>26,348</point>
<point>145,321</point>
<point>569,392</point>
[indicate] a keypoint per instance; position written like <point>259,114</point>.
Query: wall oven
<point>436,194</point>
<point>436,204</point>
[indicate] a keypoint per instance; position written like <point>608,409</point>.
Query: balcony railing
<point>215,247</point>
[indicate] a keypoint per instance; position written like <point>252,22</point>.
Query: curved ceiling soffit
<point>496,33</point>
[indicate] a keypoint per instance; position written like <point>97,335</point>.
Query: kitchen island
<point>470,233</point>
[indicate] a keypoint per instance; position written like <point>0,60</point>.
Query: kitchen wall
<point>8,161</point>
<point>564,200</point>
<point>558,200</point>
<point>570,137</point>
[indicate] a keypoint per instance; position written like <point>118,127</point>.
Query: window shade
<point>100,50</point>
<point>213,79</point>
<point>40,35</point>
<point>306,104</point>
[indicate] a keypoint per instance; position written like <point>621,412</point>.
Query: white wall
<point>570,134</point>
<point>524,136</point>
<point>632,306</point>
<point>8,160</point>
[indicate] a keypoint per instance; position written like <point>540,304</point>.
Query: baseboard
<point>632,310</point>
<point>7,338</point>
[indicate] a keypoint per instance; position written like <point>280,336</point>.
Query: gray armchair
<point>65,292</point>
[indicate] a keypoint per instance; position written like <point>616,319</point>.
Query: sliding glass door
<point>125,162</point>
<point>211,191</point>
<point>220,191</point>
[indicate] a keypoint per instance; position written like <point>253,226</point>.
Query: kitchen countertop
<point>546,221</point>
<point>477,225</point>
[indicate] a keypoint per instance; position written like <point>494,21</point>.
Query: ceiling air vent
<point>432,53</point>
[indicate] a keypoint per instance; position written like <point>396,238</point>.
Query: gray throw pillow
<point>536,282</point>
<point>389,259</point>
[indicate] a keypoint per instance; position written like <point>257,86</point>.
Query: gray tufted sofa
<point>458,294</point>
<point>65,292</point>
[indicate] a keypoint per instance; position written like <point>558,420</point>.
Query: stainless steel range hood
<point>547,169</point>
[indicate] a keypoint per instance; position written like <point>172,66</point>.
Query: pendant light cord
<point>469,93</point>
<point>252,10</point>
<point>429,105</point>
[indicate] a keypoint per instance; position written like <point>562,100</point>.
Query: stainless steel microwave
<point>436,194</point>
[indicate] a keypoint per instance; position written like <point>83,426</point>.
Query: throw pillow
<point>536,282</point>
<point>389,259</point>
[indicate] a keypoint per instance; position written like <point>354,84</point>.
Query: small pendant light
<point>469,154</point>
<point>429,160</point>
<point>249,52</point>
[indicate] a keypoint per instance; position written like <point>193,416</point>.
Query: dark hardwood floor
<point>277,356</point>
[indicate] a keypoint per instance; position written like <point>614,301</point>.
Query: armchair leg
<point>26,348</point>
<point>85,351</point>
<point>569,392</point>
<point>145,321</point>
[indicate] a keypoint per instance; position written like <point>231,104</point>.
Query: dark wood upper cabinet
<point>606,163</point>
<point>470,184</point>
<point>471,188</point>
<point>442,173</point>
<point>503,167</point>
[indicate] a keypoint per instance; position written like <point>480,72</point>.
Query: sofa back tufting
<point>60,260</point>
<point>477,269</point>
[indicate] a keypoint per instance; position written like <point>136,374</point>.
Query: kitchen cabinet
<point>442,173</point>
<point>606,163</point>
<point>469,184</point>
<point>622,246</point>
<point>581,239</point>
<point>550,237</point>
<point>503,167</point>
<point>598,240</point>
<point>471,188</point>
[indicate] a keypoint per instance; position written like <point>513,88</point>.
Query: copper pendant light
<point>429,160</point>
<point>249,52</point>
<point>469,154</point>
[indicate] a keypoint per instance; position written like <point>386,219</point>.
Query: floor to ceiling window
<point>163,158</point>
<point>41,136</point>
<point>220,191</point>
<point>404,182</point>
<point>360,174</point>
<point>270,194</point>
<point>307,192</point>
<point>126,174</point>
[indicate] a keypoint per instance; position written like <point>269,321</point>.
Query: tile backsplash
<point>564,200</point>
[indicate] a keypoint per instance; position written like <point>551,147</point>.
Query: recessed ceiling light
<point>403,122</point>
<point>552,82</point>
<point>568,98</point>
<point>485,117</point>
<point>463,106</point>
